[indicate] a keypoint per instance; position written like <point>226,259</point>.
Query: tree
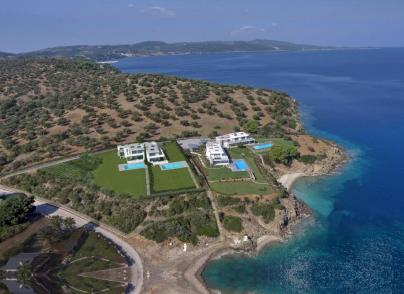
<point>16,210</point>
<point>57,230</point>
<point>283,153</point>
<point>251,126</point>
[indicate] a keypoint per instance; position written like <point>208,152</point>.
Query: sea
<point>356,98</point>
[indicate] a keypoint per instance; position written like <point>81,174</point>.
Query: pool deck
<point>121,167</point>
<point>184,164</point>
<point>233,168</point>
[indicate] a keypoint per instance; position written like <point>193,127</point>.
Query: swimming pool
<point>131,166</point>
<point>240,165</point>
<point>263,146</point>
<point>174,165</point>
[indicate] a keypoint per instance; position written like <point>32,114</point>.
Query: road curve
<point>135,262</point>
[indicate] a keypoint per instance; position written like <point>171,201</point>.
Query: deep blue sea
<point>355,97</point>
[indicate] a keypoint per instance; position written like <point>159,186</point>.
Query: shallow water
<point>356,98</point>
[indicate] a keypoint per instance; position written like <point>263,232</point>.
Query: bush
<point>232,223</point>
<point>227,200</point>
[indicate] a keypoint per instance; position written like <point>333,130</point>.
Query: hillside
<point>108,52</point>
<point>6,54</point>
<point>52,108</point>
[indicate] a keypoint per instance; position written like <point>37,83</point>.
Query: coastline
<point>194,273</point>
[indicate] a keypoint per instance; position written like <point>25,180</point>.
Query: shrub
<point>232,223</point>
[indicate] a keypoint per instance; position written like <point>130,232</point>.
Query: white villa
<point>216,154</point>
<point>235,139</point>
<point>154,154</point>
<point>131,152</point>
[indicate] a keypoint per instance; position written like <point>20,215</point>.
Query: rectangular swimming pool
<point>263,146</point>
<point>240,165</point>
<point>174,165</point>
<point>131,166</point>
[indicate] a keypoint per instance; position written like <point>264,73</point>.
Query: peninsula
<point>152,48</point>
<point>179,170</point>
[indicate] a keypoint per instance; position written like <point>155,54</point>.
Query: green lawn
<point>240,188</point>
<point>99,247</point>
<point>248,155</point>
<point>223,173</point>
<point>175,179</point>
<point>108,176</point>
<point>173,152</point>
<point>101,255</point>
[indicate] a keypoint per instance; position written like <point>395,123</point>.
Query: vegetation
<point>185,228</point>
<point>52,108</point>
<point>241,188</point>
<point>266,210</point>
<point>187,217</point>
<point>232,223</point>
<point>310,159</point>
<point>76,170</point>
<point>108,52</point>
<point>227,200</point>
<point>224,173</point>
<point>57,230</point>
<point>107,176</point>
<point>283,151</point>
<point>15,212</point>
<point>123,213</point>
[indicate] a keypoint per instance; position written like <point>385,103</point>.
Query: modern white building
<point>154,154</point>
<point>235,139</point>
<point>216,154</point>
<point>131,152</point>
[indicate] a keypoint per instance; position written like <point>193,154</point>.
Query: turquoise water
<point>262,146</point>
<point>354,97</point>
<point>173,165</point>
<point>240,165</point>
<point>130,166</point>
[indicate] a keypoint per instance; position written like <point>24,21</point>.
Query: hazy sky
<point>33,24</point>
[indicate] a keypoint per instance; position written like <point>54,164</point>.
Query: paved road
<point>135,263</point>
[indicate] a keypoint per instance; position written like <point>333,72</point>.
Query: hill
<point>52,108</point>
<point>6,54</point>
<point>109,52</point>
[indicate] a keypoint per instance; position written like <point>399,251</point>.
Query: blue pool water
<point>240,165</point>
<point>173,165</point>
<point>131,166</point>
<point>262,146</point>
<point>355,97</point>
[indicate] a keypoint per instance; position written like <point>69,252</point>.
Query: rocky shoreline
<point>296,213</point>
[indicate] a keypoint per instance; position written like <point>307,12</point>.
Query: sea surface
<point>356,98</point>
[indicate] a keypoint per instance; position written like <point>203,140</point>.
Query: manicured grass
<point>222,173</point>
<point>96,253</point>
<point>240,188</point>
<point>97,246</point>
<point>175,179</point>
<point>76,170</point>
<point>173,152</point>
<point>90,285</point>
<point>108,176</point>
<point>248,155</point>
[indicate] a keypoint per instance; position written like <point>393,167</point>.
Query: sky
<point>27,25</point>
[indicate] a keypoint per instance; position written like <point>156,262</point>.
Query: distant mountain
<point>6,54</point>
<point>109,52</point>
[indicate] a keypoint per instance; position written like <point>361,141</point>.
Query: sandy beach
<point>287,180</point>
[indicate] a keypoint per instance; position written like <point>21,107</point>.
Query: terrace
<point>154,154</point>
